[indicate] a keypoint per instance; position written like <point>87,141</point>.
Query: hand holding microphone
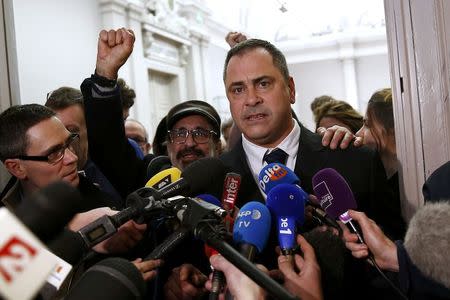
<point>238,284</point>
<point>382,248</point>
<point>303,280</point>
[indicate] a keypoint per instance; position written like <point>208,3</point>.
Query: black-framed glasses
<point>200,135</point>
<point>56,154</point>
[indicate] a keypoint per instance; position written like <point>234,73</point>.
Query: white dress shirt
<point>255,154</point>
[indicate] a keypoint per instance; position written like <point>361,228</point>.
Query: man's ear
<point>291,86</point>
<point>15,167</point>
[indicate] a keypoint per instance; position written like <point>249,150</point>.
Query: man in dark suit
<point>261,92</point>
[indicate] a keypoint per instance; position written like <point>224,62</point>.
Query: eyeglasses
<point>57,154</point>
<point>200,135</point>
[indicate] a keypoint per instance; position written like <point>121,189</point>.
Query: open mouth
<point>256,117</point>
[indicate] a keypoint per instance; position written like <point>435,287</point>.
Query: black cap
<point>194,107</point>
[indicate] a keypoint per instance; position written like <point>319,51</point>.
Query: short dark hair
<point>127,94</point>
<point>64,97</point>
<point>14,124</point>
<point>278,58</point>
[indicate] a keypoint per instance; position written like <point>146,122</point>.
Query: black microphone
<point>47,211</point>
<point>157,165</point>
<point>112,278</point>
<point>203,176</point>
<point>170,243</point>
<point>69,246</point>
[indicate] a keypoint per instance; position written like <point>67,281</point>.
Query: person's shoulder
<point>233,155</point>
<point>436,186</point>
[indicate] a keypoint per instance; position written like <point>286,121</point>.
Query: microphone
<point>199,177</point>
<point>112,278</point>
<point>427,240</point>
<point>158,164</point>
<point>286,202</point>
<point>211,235</point>
<point>164,178</point>
<point>25,264</point>
<point>217,276</point>
<point>251,229</point>
<point>178,236</point>
<point>275,173</point>
<point>335,196</point>
<point>230,191</point>
<point>46,212</point>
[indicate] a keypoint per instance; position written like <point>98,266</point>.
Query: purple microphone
<point>335,196</point>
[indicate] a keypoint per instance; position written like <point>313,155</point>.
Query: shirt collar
<point>288,145</point>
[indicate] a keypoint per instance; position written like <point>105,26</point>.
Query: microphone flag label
<point>286,233</point>
<point>322,191</point>
<point>273,172</point>
<point>24,265</point>
<point>230,191</point>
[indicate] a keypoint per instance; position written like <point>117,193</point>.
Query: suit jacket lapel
<point>311,157</point>
<point>249,190</point>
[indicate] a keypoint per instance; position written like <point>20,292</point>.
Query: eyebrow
<point>53,148</point>
<point>254,81</point>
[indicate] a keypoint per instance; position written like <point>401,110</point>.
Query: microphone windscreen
<point>157,165</point>
<point>164,178</point>
<point>427,240</point>
<point>112,278</point>
<point>333,192</point>
<point>68,245</point>
<point>252,225</point>
<point>287,200</point>
<point>47,211</point>
<point>205,175</point>
<point>274,174</point>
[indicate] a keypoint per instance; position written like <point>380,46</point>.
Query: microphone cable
<point>391,284</point>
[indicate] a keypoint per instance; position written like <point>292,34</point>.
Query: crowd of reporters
<point>161,238</point>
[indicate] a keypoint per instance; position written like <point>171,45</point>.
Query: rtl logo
<point>15,255</point>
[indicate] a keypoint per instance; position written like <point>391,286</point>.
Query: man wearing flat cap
<point>193,132</point>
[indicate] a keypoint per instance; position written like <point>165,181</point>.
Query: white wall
<point>315,79</point>
<point>215,89</point>
<point>56,44</point>
<point>372,74</point>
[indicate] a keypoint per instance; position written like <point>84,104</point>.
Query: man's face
<point>136,132</point>
<point>260,98</point>
<point>73,119</point>
<point>43,138</point>
<point>182,155</point>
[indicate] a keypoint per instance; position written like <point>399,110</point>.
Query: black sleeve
<point>384,204</point>
<point>108,145</point>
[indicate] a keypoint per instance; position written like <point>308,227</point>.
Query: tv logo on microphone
<point>15,255</point>
<point>326,198</point>
<point>253,214</point>
<point>274,173</point>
